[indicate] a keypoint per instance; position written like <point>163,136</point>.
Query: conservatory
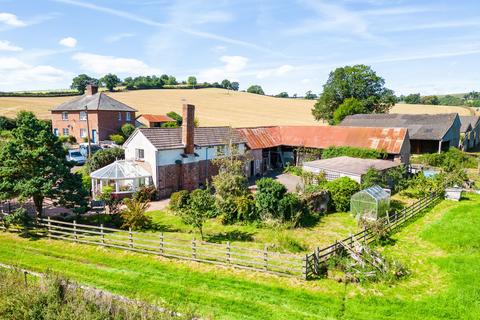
<point>125,177</point>
<point>371,203</point>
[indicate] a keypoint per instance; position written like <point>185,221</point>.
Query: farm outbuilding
<point>429,133</point>
<point>354,168</point>
<point>371,203</point>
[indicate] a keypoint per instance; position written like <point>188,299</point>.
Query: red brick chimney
<point>188,128</point>
<point>91,89</point>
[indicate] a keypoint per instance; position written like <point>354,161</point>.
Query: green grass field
<point>441,250</point>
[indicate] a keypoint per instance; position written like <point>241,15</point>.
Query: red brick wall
<point>105,122</point>
<point>189,176</point>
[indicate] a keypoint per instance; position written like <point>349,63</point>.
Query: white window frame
<point>65,132</point>
<point>64,115</point>
<point>83,133</point>
<point>83,115</point>
<point>119,116</point>
<point>128,116</point>
<point>139,152</point>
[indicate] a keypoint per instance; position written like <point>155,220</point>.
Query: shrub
<point>371,178</point>
<point>333,152</point>
<point>127,130</point>
<point>133,216</point>
<point>341,190</point>
<point>203,200</point>
<point>146,193</point>
<point>296,171</point>
<point>293,209</point>
<point>269,194</point>
<point>449,160</point>
<point>117,139</point>
<point>18,217</point>
<point>104,157</point>
<point>246,209</point>
<point>179,200</point>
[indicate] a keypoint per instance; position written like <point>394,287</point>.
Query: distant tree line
<point>111,81</point>
<point>471,99</point>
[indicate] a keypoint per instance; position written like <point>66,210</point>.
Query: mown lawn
<point>440,249</point>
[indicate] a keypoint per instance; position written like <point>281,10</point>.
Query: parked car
<point>76,157</point>
<point>93,147</point>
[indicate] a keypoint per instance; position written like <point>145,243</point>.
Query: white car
<point>76,157</point>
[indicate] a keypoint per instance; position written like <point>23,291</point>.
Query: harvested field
<point>214,106</point>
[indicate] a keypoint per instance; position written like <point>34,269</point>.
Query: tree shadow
<point>234,235</point>
<point>159,227</point>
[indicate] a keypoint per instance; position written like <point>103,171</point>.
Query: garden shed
<point>371,203</point>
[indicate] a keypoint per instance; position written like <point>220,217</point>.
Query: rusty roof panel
<point>321,137</point>
<point>156,118</point>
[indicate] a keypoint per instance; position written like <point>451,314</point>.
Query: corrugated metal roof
<point>156,118</point>
<point>98,101</point>
<point>349,165</point>
<point>420,126</point>
<point>467,121</point>
<point>390,140</point>
<point>171,138</point>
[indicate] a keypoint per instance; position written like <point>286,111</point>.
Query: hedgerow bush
<point>333,152</point>
<point>449,160</point>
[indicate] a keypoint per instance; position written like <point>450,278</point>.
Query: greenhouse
<point>371,203</point>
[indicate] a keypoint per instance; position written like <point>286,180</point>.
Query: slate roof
<point>350,165</point>
<point>390,140</point>
<point>469,120</point>
<point>420,126</point>
<point>171,138</point>
<point>98,101</point>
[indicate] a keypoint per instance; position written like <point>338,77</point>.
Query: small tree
<point>226,84</point>
<point>371,178</point>
<point>341,190</point>
<point>255,89</point>
<point>192,81</point>
<point>110,81</point>
<point>118,139</point>
<point>201,206</point>
<point>133,215</point>
<point>235,86</point>
<point>310,96</point>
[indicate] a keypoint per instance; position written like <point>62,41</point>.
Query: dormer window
<point>64,115</point>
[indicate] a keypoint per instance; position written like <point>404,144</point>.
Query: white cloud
<point>100,65</point>
<point>7,46</point>
<point>11,20</point>
<point>275,72</point>
<point>232,65</point>
<point>117,37</point>
<point>68,42</point>
<point>24,76</point>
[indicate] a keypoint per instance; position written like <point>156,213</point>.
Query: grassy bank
<point>440,249</point>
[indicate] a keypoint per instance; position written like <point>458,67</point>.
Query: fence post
<point>194,249</point>
<point>316,254</point>
<point>365,236</point>
<point>130,238</point>
<point>161,243</point>
<point>228,252</point>
<point>102,235</point>
<point>49,228</point>
<point>265,258</point>
<point>75,230</point>
<point>305,267</point>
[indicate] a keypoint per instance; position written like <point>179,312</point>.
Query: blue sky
<point>431,47</point>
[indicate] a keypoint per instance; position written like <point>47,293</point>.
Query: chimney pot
<point>92,89</point>
<point>188,128</point>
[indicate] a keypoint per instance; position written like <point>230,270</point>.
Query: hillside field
<point>214,106</point>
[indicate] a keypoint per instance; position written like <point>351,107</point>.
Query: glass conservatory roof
<point>376,192</point>
<point>120,169</point>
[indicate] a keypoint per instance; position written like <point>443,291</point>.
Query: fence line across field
<point>285,264</point>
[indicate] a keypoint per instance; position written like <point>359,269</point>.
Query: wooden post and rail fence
<point>263,260</point>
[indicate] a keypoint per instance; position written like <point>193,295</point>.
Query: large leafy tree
<point>80,82</point>
<point>110,81</point>
<point>34,167</point>
<point>359,82</point>
<point>255,89</point>
<point>349,106</point>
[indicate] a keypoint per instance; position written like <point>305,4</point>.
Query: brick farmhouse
<point>105,116</point>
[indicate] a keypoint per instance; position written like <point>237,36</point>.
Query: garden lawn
<point>441,250</point>
<point>323,232</point>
